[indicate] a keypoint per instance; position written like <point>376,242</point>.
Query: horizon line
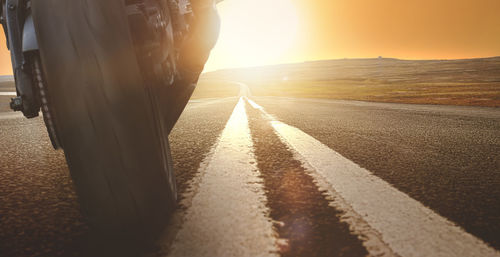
<point>350,58</point>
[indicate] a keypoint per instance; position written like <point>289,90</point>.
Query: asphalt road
<point>446,157</point>
<point>252,181</point>
<point>39,213</point>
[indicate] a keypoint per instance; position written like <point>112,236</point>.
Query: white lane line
<point>227,215</point>
<point>244,89</point>
<point>194,104</point>
<point>370,238</point>
<point>8,94</point>
<point>404,224</point>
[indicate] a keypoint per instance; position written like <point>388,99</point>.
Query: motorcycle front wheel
<point>116,147</point>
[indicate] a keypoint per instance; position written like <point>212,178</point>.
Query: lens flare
<point>254,32</point>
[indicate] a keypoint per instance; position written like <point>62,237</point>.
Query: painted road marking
<point>8,94</point>
<point>402,223</point>
<point>227,215</point>
<point>195,104</point>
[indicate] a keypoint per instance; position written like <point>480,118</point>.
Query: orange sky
<point>400,28</point>
<point>411,29</point>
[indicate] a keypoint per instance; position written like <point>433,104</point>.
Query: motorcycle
<point>106,77</point>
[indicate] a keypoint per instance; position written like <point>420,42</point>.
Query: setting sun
<point>254,32</point>
<point>260,32</point>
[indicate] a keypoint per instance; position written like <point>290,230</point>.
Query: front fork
<point>153,42</point>
<point>17,22</point>
<point>21,41</point>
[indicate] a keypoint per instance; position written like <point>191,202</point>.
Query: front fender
<point>29,36</point>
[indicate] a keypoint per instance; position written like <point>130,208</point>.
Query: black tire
<point>114,140</point>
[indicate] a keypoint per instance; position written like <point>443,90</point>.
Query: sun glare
<point>254,32</point>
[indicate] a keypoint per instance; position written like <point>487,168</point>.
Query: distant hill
<point>473,82</point>
<point>381,69</point>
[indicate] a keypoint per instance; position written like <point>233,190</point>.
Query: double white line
<point>228,217</point>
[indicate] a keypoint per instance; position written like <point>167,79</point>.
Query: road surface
<point>269,176</point>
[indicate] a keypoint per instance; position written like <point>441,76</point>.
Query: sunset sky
<point>324,29</point>
<point>259,32</point>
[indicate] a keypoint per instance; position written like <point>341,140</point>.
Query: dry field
<point>473,82</point>
<point>7,85</point>
<point>455,82</point>
<point>215,89</point>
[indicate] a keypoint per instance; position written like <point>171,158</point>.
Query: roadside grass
<point>7,86</point>
<point>468,94</point>
<point>473,82</point>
